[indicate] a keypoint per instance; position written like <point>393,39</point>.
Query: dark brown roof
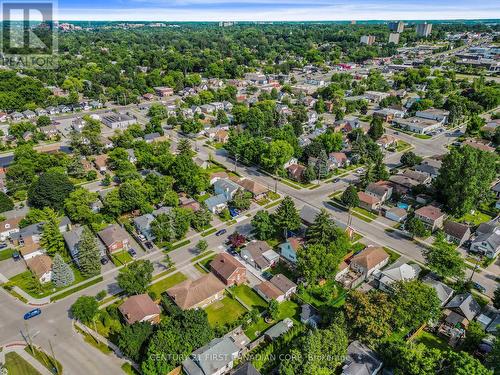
<point>454,229</point>
<point>370,257</point>
<point>431,212</point>
<point>225,265</point>
<point>136,308</point>
<point>283,283</point>
<point>269,290</point>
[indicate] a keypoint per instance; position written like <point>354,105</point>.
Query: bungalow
<point>140,308</point>
<point>386,141</point>
<point>368,202</point>
<point>361,360</point>
<point>16,116</point>
<point>226,187</point>
<point>380,190</point>
<point>403,272</point>
<point>338,159</point>
<point>50,131</point>
<point>40,112</point>
<point>228,269</point>
<point>257,190</point>
<point>114,237</point>
<point>396,214</point>
<point>100,162</point>
<point>279,329</point>
<point>284,284</point>
<point>487,241</point>
<point>259,255</point>
<point>31,233</point>
<point>290,247</point>
<point>199,293</point>
<point>431,216</point>
<point>461,309</point>
<point>296,172</point>
<point>370,259</point>
<point>8,227</point>
<point>221,136</point>
<point>215,358</point>
<point>143,225</point>
<point>309,315</point>
<point>435,114</point>
<point>456,232</point>
<point>269,292</point>
<point>152,137</point>
<point>216,204</point>
<point>388,114</point>
<point>246,369</point>
<point>41,266</point>
<point>30,250</point>
<point>207,109</point>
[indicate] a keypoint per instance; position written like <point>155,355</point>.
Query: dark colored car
<point>221,232</point>
<point>3,245</point>
<point>148,245</point>
<point>32,314</point>
<point>479,287</point>
<point>16,256</point>
<point>132,252</point>
<point>104,261</point>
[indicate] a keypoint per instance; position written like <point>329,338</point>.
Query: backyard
<point>224,311</point>
<point>161,286</point>
<point>432,341</point>
<point>329,294</point>
<point>475,218</point>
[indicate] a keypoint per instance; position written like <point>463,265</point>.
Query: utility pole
<point>235,163</point>
<point>475,267</point>
<point>54,358</point>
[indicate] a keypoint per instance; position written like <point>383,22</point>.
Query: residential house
<point>461,309</point>
<point>309,316</point>
<point>296,172</point>
<point>29,114</point>
<point>396,214</point>
<point>380,190</point>
<point>217,176</point>
<point>114,237</point>
<point>421,177</point>
<point>338,159</point>
<point>402,272</point>
<point>308,214</point>
<point>361,360</point>
<point>370,259</point>
<point>30,250</point>
<point>9,227</point>
<point>16,116</point>
<point>228,269</point>
<point>199,293</point>
<point>50,131</point>
<point>41,266</point>
<point>388,114</point>
<point>431,216</point>
<point>100,162</point>
<point>269,292</point>
<point>259,255</point>
<point>487,240</point>
<point>290,248</point>
<point>31,233</point>
<point>143,225</point>
<point>283,283</point>
<point>246,369</point>
<point>164,91</point>
<point>221,136</point>
<point>215,358</point>
<point>456,232</point>
<point>140,308</point>
<point>279,329</point>
<point>402,184</point>
<point>478,145</point>
<point>443,291</point>
<point>386,141</point>
<point>226,187</point>
<point>203,164</point>
<point>72,239</point>
<point>152,137</point>
<point>257,190</point>
<point>429,166</point>
<point>217,203</point>
<point>435,114</point>
<point>207,108</point>
<point>368,202</point>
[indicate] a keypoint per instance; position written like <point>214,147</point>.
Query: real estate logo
<point>28,35</point>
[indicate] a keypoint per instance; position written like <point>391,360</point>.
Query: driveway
<point>10,268</point>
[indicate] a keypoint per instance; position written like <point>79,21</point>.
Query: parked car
<point>104,261</point>
<point>221,232</point>
<point>479,287</point>
<point>32,314</point>
<point>16,256</point>
<point>3,245</point>
<point>141,237</point>
<point>148,245</point>
<point>132,252</point>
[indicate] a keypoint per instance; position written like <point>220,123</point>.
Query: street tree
<point>443,259</point>
<point>201,246</point>
<point>286,218</point>
<point>349,197</point>
<point>263,226</point>
<point>410,159</point>
<point>416,227</point>
<point>85,309</point>
<point>135,277</point>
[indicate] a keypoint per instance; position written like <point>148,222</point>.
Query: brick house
<point>228,269</point>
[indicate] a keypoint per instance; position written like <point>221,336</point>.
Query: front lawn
<point>249,297</point>
<point>161,286</point>
<point>6,254</point>
<point>16,365</point>
<point>121,257</point>
<point>393,256</point>
<point>364,212</point>
<point>224,311</point>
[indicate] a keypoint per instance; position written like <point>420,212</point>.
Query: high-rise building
<point>394,38</point>
<point>424,29</point>
<point>397,27</point>
<point>367,39</point>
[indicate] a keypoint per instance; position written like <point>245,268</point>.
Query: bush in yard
<point>62,274</point>
<point>85,309</point>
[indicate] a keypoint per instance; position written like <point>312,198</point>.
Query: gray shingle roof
<point>361,360</point>
<point>464,304</point>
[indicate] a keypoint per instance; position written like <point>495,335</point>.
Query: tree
<point>6,204</point>
<point>475,124</point>
<point>376,128</point>
<point>410,359</point>
<point>321,167</point>
<point>462,364</point>
<point>78,206</point>
<point>276,155</point>
<point>163,228</point>
<point>443,259</point>
<point>201,246</point>
<point>241,200</point>
<point>62,274</point>
<point>201,219</point>
<point>135,277</point>
<point>496,298</point>
<point>263,226</point>
<point>273,309</point>
<point>52,240</point>
<point>237,240</point>
<point>349,197</point>
<point>318,262</point>
<point>43,121</point>
<point>88,254</point>
<point>286,218</point>
<point>184,147</point>
<point>473,336</point>
<point>493,359</point>
<point>132,339</point>
<point>50,190</point>
<point>414,303</point>
<point>465,178</point>
<point>409,159</point>
<point>416,227</point>
<point>85,309</point>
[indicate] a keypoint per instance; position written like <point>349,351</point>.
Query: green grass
<point>6,254</point>
<point>76,289</point>
<point>47,361</point>
<point>209,232</point>
<point>283,269</point>
<point>361,217</point>
<point>393,256</point>
<point>224,311</point>
<point>161,274</point>
<point>331,294</point>
<point>202,255</point>
<point>474,219</point>
<point>249,297</point>
<point>16,365</point>
<point>402,146</point>
<point>358,246</point>
<point>129,370</point>
<point>432,341</point>
<point>367,213</point>
<point>161,286</point>
<point>179,244</point>
<point>93,342</point>
<point>206,262</point>
<point>270,205</point>
<point>121,257</point>
<point>200,268</point>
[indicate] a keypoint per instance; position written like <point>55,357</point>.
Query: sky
<point>277,10</point>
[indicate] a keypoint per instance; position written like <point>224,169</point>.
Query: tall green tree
<point>88,254</point>
<point>50,190</point>
<point>135,277</point>
<point>62,274</point>
<point>85,309</point>
<point>349,197</point>
<point>286,217</point>
<point>133,339</point>
<point>263,226</point>
<point>52,240</point>
<point>6,203</point>
<point>443,259</point>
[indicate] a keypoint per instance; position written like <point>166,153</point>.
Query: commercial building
<point>118,120</point>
